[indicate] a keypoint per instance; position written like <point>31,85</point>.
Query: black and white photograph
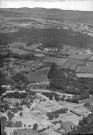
<point>46,67</point>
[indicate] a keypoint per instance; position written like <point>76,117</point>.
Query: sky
<point>81,5</point>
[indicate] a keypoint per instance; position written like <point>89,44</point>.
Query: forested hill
<point>52,13</point>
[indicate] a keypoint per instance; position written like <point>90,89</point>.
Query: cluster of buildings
<point>37,113</point>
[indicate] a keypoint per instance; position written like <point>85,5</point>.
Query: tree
<point>87,104</point>
<point>20,108</point>
<point>3,123</point>
<point>35,126</point>
<point>19,79</point>
<point>18,124</point>
<point>63,97</point>
<point>9,123</point>
<point>25,126</point>
<point>56,115</point>
<point>4,133</point>
<point>10,115</point>
<point>52,71</point>
<point>14,110</point>
<point>85,126</point>
<point>6,106</point>
<point>15,132</point>
<point>2,90</point>
<point>50,115</point>
<point>21,113</point>
<point>16,104</point>
<point>2,81</point>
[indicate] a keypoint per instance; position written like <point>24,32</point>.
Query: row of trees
<point>10,123</point>
<point>15,94</point>
<point>51,115</point>
<point>50,95</point>
<point>55,114</point>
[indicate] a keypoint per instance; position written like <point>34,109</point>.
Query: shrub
<point>21,114</point>
<point>50,115</point>
<point>14,110</point>
<point>20,108</point>
<point>15,132</point>
<point>56,115</point>
<point>16,104</point>
<point>3,123</point>
<point>10,124</point>
<point>4,133</point>
<point>18,124</point>
<point>10,115</point>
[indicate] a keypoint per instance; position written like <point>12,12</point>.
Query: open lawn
<point>38,76</point>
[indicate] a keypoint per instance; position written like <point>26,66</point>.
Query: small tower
<point>33,105</point>
<point>53,98</point>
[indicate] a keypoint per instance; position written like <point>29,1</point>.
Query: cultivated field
<point>58,61</point>
<point>72,63</point>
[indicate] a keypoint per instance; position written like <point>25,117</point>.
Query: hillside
<point>50,27</point>
<point>52,13</point>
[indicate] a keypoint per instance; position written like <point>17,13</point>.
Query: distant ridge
<point>53,13</point>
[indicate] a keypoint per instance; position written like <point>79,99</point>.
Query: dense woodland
<point>49,37</point>
<point>65,80</point>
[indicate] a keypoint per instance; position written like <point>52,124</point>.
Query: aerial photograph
<point>46,67</point>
